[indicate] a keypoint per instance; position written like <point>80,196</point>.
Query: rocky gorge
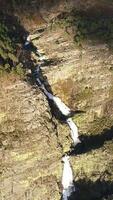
<point>33,140</point>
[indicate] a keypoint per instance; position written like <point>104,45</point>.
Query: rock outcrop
<point>32,141</point>
<point>30,151</point>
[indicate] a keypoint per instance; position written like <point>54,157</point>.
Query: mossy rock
<point>19,70</point>
<point>3,54</point>
<point>13,57</point>
<point>7,66</point>
<point>10,36</point>
<point>2,44</point>
<point>92,27</point>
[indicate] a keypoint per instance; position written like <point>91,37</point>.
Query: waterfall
<point>57,101</point>
<point>37,70</point>
<point>74,131</point>
<point>67,176</point>
<point>48,94</point>
<point>41,57</point>
<point>66,112</point>
<point>38,82</point>
<point>61,106</point>
<point>28,40</point>
<point>67,179</point>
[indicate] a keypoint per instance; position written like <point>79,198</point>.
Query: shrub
<point>11,38</point>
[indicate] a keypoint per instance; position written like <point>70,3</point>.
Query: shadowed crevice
<point>89,190</point>
<point>92,142</point>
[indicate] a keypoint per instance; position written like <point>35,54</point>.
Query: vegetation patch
<point>11,33</point>
<point>92,27</point>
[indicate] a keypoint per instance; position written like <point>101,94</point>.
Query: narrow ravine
<point>66,114</point>
<point>56,61</point>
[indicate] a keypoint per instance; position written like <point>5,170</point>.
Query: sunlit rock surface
<point>83,79</point>
<point>32,142</point>
<point>28,169</point>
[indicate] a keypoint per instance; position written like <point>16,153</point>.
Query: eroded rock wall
<point>30,151</point>
<point>32,141</point>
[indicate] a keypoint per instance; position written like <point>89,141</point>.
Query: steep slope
<point>32,141</point>
<point>12,35</point>
<point>29,148</point>
<point>82,77</point>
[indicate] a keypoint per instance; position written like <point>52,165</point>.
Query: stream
<point>68,185</point>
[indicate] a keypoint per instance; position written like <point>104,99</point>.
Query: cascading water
<point>74,131</point>
<point>60,105</point>
<point>67,176</point>
<point>67,179</point>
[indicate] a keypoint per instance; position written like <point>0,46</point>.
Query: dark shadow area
<point>42,78</point>
<point>88,190</point>
<point>15,30</point>
<point>92,142</point>
<point>11,40</point>
<point>52,62</point>
<point>74,194</point>
<point>93,24</point>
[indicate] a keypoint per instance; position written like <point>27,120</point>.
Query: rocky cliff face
<point>32,141</point>
<point>30,151</point>
<point>38,12</point>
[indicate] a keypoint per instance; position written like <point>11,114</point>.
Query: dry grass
<point>8,79</point>
<point>31,23</point>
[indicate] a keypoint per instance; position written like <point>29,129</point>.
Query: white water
<point>67,179</point>
<point>48,94</point>
<point>67,176</point>
<point>74,131</point>
<point>61,106</point>
<point>39,54</point>
<point>41,57</point>
<point>28,40</point>
<point>38,69</point>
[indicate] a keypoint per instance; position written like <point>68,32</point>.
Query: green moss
<point>12,57</point>
<point>87,26</point>
<point>10,38</point>
<point>97,27</point>
<point>7,66</point>
<point>3,54</point>
<point>6,47</point>
<point>19,70</point>
<point>80,119</point>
